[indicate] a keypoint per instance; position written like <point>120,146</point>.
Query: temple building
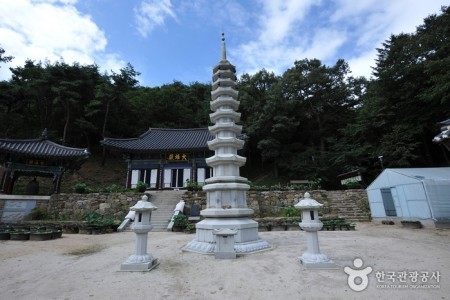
<point>39,158</point>
<point>165,158</point>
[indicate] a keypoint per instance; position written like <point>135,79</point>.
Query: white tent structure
<point>411,194</point>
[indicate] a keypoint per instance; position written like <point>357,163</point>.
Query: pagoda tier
<point>226,191</point>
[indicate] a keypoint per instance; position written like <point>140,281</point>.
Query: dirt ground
<point>87,267</point>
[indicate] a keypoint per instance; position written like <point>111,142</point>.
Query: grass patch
<point>86,250</point>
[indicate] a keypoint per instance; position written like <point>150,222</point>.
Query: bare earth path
<point>53,270</point>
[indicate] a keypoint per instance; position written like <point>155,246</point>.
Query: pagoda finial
<point>224,50</point>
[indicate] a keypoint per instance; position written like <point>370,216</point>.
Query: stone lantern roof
<point>143,205</point>
<point>308,202</point>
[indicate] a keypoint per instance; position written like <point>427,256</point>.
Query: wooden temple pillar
<point>57,184</point>
<point>7,182</point>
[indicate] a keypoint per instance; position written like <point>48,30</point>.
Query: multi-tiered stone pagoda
<point>226,190</point>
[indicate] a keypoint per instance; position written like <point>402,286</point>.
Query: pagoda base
<point>145,266</point>
<point>317,261</point>
<point>246,239</point>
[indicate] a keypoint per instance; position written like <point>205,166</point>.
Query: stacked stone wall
<point>349,204</point>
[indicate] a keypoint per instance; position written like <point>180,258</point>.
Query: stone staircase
<point>166,202</point>
<point>351,205</point>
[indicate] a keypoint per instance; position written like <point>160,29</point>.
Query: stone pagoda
<point>226,191</point>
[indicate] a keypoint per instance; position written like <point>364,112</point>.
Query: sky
<point>180,40</point>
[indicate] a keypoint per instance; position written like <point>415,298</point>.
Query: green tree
<point>3,58</point>
<point>123,82</point>
<point>407,98</point>
<point>300,114</point>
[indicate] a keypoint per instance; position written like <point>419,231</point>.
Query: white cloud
<point>361,65</point>
<point>279,38</point>
<point>152,13</point>
<point>111,62</point>
<point>280,17</point>
<point>49,29</point>
<point>328,30</point>
<point>371,22</point>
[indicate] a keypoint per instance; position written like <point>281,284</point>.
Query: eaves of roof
<point>42,148</point>
<point>162,139</point>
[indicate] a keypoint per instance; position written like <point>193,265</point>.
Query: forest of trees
<point>313,121</point>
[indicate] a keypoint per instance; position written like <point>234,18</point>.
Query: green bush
<point>314,184</point>
<point>92,217</point>
<point>80,188</point>
<point>141,187</point>
<point>39,214</point>
<point>180,221</point>
<point>290,211</point>
<point>114,188</point>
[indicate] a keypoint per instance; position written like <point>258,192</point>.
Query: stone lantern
<point>311,223</point>
<point>141,261</point>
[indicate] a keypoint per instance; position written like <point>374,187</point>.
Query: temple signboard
<point>177,156</point>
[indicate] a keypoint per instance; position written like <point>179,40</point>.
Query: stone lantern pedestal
<point>141,261</point>
<point>312,258</point>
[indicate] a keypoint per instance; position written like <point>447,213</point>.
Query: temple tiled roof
<point>41,148</point>
<point>163,139</point>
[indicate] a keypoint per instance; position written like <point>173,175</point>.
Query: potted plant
<point>41,235</point>
<point>57,233</point>
<point>411,224</point>
<point>19,235</point>
<point>4,235</point>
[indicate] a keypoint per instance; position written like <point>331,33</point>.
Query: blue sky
<point>167,40</point>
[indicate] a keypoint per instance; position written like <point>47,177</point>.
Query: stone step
<point>166,202</point>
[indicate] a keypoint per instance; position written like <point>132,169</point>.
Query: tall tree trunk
<point>66,125</point>
<point>321,139</point>
<point>108,104</point>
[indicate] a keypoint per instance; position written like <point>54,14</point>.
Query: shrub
<point>290,211</point>
<point>92,217</point>
<point>80,188</point>
<point>114,188</point>
<point>141,186</point>
<point>180,221</point>
<point>38,214</point>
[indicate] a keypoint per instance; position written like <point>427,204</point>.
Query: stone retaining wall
<point>350,204</point>
<point>75,206</point>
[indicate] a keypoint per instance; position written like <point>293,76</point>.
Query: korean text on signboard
<point>36,162</point>
<point>178,156</point>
